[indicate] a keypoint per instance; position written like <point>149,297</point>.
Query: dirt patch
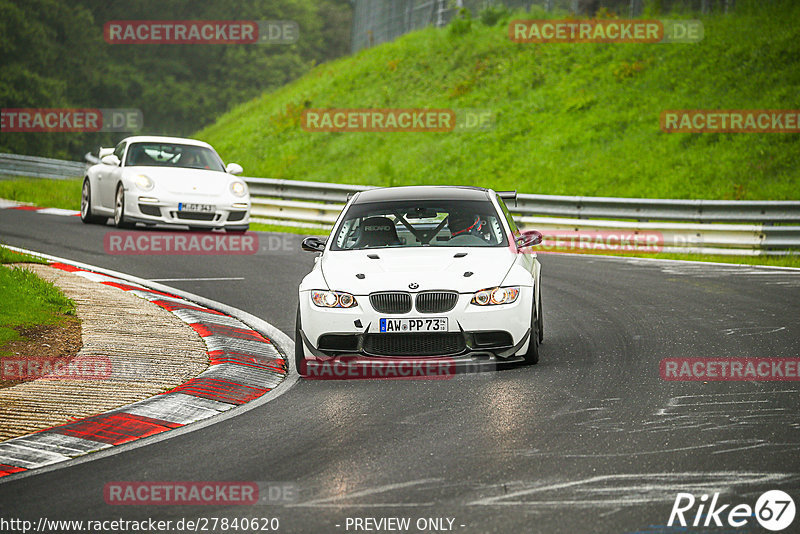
<point>61,340</point>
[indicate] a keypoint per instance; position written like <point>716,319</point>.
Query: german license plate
<point>429,324</point>
<point>203,208</point>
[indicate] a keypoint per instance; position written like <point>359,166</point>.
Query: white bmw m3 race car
<point>422,272</point>
<point>165,180</point>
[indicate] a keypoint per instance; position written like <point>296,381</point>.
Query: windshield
<point>435,223</point>
<point>173,155</point>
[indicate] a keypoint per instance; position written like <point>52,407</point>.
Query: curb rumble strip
<point>244,366</point>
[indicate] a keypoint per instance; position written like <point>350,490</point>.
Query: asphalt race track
<point>590,440</point>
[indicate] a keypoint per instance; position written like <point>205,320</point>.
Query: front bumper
<point>493,331</point>
<point>161,211</point>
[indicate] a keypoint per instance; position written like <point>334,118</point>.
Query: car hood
<point>431,268</point>
<point>185,181</point>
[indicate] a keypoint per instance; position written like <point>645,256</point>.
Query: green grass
<point>9,256</point>
<point>775,261</point>
<point>43,192</point>
<point>574,119</point>
<point>261,227</point>
<point>28,301</point>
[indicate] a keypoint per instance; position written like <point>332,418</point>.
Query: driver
<point>190,160</point>
<point>465,229</point>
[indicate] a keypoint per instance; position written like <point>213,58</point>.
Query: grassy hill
<point>576,119</point>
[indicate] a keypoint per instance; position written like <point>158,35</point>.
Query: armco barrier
<point>16,165</point>
<point>695,226</point>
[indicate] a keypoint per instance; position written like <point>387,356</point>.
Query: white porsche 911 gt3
<point>422,272</point>
<point>165,180</point>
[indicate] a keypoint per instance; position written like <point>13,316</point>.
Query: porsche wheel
<point>86,206</point>
<point>119,209</point>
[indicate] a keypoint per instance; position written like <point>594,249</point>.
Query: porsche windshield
<point>435,223</point>
<point>173,155</point>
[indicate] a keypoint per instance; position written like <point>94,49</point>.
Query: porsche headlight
<point>333,299</point>
<point>495,296</point>
<point>238,189</point>
<point>143,182</point>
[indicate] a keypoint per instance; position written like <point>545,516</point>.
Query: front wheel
<point>532,355</point>
<point>299,351</point>
<point>86,205</point>
<point>540,319</point>
<point>119,209</point>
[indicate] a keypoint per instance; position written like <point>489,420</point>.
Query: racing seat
<point>377,232</point>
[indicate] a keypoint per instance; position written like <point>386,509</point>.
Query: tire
<point>119,209</point>
<point>237,229</point>
<point>540,319</point>
<point>299,352</point>
<point>86,205</point>
<point>532,355</point>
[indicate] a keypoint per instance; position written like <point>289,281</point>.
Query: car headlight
<point>333,299</point>
<point>143,182</point>
<point>494,296</point>
<point>238,189</point>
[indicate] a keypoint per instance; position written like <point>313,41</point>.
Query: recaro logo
<point>774,510</point>
<point>377,228</point>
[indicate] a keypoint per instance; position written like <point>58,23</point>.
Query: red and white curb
<point>245,365</point>
<point>14,205</point>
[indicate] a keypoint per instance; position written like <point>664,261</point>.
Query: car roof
<point>423,192</point>
<point>164,139</point>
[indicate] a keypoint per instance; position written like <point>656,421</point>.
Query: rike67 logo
<point>774,510</point>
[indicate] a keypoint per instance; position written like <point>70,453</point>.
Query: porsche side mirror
<point>313,244</point>
<point>111,159</point>
<point>234,168</point>
<point>103,152</point>
<point>529,239</point>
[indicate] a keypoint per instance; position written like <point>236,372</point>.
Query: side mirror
<point>313,244</point>
<point>234,168</point>
<point>103,152</point>
<point>529,239</point>
<point>110,160</point>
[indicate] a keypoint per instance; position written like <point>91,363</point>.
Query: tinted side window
<point>509,218</point>
<point>120,150</point>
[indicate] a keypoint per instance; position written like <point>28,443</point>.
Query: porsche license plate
<point>429,324</point>
<point>203,208</point>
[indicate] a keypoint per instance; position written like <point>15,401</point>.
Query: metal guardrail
<point>693,226</point>
<point>17,165</point>
<point>577,207</point>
